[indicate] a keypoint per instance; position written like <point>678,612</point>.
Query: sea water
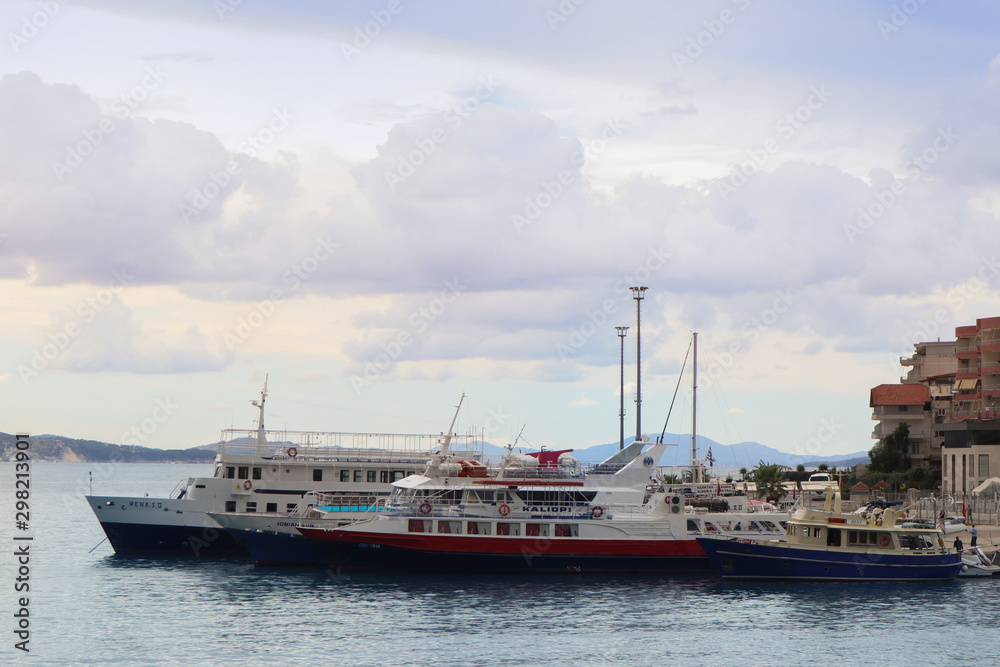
<point>88,606</point>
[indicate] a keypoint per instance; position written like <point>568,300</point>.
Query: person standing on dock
<point>958,544</point>
<point>975,533</point>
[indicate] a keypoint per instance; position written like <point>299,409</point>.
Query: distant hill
<point>59,448</point>
<point>740,455</point>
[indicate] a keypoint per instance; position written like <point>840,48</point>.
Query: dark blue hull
<point>780,561</point>
<point>140,539</point>
<point>269,548</point>
<point>380,557</point>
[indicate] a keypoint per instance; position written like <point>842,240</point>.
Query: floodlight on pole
<point>622,331</point>
<point>638,293</point>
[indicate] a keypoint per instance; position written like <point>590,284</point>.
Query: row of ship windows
<point>252,506</point>
<point>511,528</point>
<point>360,476</point>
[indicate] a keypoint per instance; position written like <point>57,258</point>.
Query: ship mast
<point>261,440</point>
<point>695,468</point>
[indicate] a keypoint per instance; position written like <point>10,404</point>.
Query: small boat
<point>831,545</point>
<point>977,564</point>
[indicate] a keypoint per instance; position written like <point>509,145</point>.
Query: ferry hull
<point>138,539</point>
<point>753,560</point>
<point>271,548</point>
<point>353,550</point>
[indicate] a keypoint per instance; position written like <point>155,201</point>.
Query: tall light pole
<point>621,390</point>
<point>638,294</point>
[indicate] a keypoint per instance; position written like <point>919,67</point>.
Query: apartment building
<point>910,404</point>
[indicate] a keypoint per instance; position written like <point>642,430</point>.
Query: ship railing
<point>180,489</point>
<point>345,446</point>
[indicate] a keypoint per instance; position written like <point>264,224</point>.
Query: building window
<point>984,465</point>
<point>256,473</point>
<point>371,476</point>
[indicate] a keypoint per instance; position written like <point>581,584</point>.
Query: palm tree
<point>743,474</point>
<point>770,481</point>
<point>800,470</point>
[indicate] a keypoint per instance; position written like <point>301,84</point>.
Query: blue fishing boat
<point>831,545</point>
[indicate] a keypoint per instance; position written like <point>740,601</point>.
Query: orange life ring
<point>425,508</point>
<point>292,452</point>
<point>248,485</point>
<point>597,512</point>
<point>504,509</point>
<point>884,540</point>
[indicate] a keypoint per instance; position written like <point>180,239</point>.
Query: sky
<point>384,205</point>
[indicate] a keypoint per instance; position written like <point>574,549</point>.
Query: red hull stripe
<point>563,546</point>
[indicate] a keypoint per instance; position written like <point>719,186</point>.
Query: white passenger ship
<point>254,473</point>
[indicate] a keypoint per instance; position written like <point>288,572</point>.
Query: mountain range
<point>741,455</point>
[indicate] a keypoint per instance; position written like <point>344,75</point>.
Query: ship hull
<point>761,561</point>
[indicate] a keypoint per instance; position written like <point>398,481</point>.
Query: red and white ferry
<point>608,521</point>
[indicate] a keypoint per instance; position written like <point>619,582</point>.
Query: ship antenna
<point>261,440</point>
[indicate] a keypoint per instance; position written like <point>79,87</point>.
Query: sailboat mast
<point>695,468</point>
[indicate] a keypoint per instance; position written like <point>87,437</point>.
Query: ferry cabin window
<point>693,526</point>
<point>290,507</point>
<point>420,525</point>
<point>383,476</point>
<point>567,530</point>
<point>371,476</point>
<point>230,505</point>
<point>218,471</point>
<point>230,472</point>
<point>450,527</point>
<point>256,473</point>
<point>833,537</point>
<point>536,529</point>
<point>398,475</point>
<point>243,472</point>
<point>357,476</point>
<point>504,528</point>
<point>251,506</point>
<point>272,507</point>
<point>345,475</point>
<point>318,475</point>
<point>478,528</point>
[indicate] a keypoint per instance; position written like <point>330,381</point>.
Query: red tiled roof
<point>899,394</point>
<point>860,486</point>
<point>878,486</point>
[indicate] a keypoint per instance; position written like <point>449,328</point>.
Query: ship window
<point>420,526</point>
<point>357,475</point>
<point>536,529</point>
<point>218,471</point>
<point>371,476</point>
<point>567,530</point>
<point>450,527</point>
<point>290,507</point>
<point>243,472</point>
<point>478,528</point>
<point>199,486</point>
<point>272,507</point>
<point>230,472</point>
<point>383,476</point>
<point>693,526</point>
<point>256,473</point>
<point>345,475</point>
<point>230,505</point>
<point>398,475</point>
<point>504,528</point>
<point>805,531</point>
<point>251,506</point>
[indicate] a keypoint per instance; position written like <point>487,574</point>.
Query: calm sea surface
<point>93,607</point>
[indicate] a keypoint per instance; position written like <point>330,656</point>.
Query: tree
<point>892,453</point>
<point>800,471</point>
<point>743,474</point>
<point>822,467</point>
<point>770,481</point>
